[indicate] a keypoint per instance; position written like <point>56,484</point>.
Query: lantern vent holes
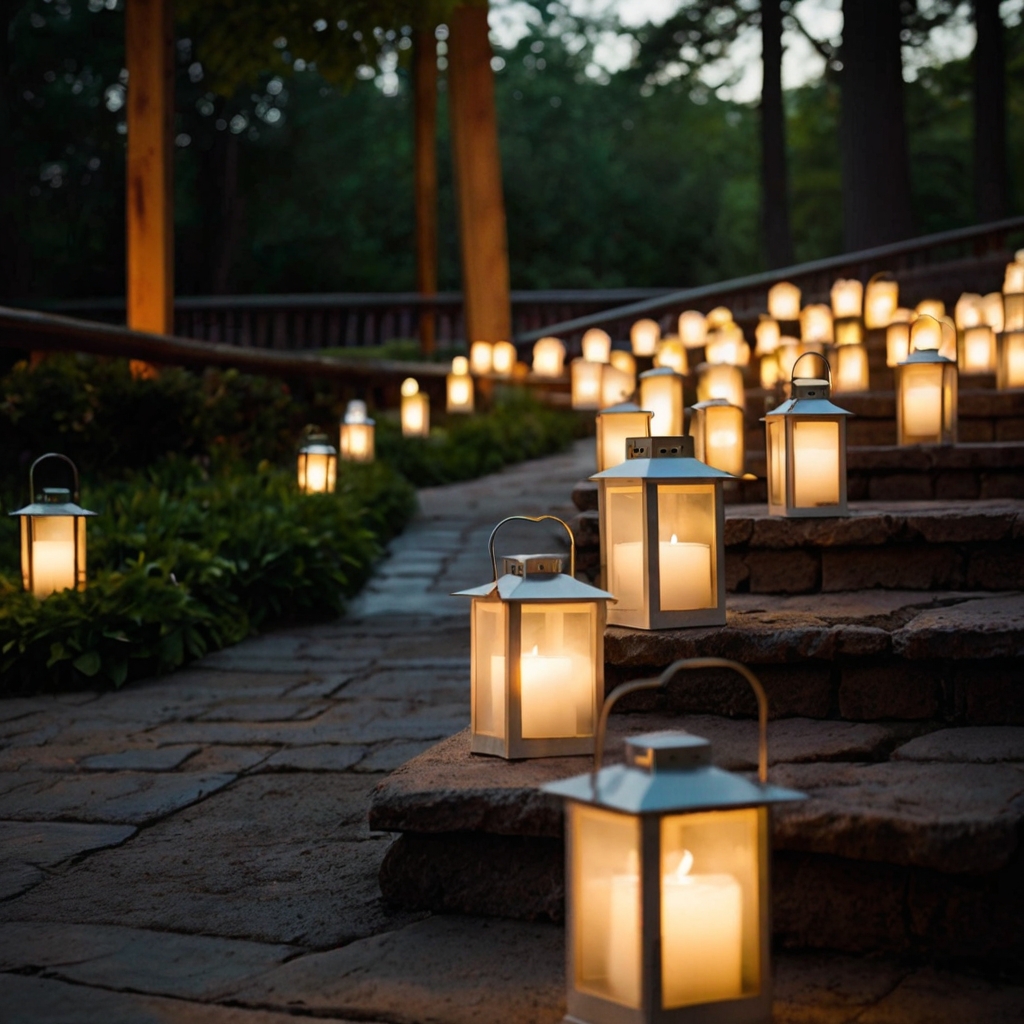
<point>56,495</point>
<point>527,565</point>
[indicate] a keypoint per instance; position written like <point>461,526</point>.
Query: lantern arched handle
<point>817,355</point>
<point>532,519</point>
<point>43,458</point>
<point>663,680</point>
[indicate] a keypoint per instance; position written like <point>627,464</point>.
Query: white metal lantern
<point>977,350</point>
<point>880,302</point>
<point>317,464</point>
<point>615,425</point>
<point>693,327</point>
<point>784,301</point>
<point>53,546</point>
<point>661,391</point>
<point>644,336</point>
<point>672,353</point>
<point>767,334</point>
<point>718,435</point>
<point>1010,371</point>
<point>897,343</point>
<point>357,441</point>
<point>537,650</point>
<point>931,307</point>
<point>481,358</point>
<point>721,381</point>
<point>847,299</point>
<point>415,409</point>
<point>662,536</point>
<point>668,894</point>
<point>806,452</point>
<point>503,358</point>
<point>926,397</point>
<point>726,344</point>
<point>549,357</point>
<point>616,386</point>
<point>459,389</point>
<point>597,345</point>
<point>585,382</point>
<point>852,372</point>
<point>816,323</point>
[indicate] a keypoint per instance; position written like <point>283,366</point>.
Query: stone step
<point>940,545</point>
<point>909,838</point>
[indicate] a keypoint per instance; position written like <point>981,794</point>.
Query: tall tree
<point>991,184</point>
<point>778,240</point>
<point>873,137</point>
<point>424,60</point>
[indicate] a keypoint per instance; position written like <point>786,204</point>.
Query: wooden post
<point>149,46</point>
<point>425,112</point>
<point>474,123</point>
<point>991,179</point>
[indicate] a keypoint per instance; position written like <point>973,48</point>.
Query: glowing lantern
<point>662,536</point>
<point>931,307</point>
<point>967,312</point>
<point>623,361</point>
<point>1010,371</point>
<point>849,332</point>
<point>693,328</point>
<point>415,409</point>
<point>1013,297</point>
<point>672,354</point>
<point>616,386</point>
<point>718,440</point>
<point>806,452</point>
<point>769,370</point>
<point>926,396</point>
<point>661,391</point>
<point>902,315</point>
<point>768,335</point>
<point>880,302</point>
<point>586,384</point>
<point>503,358</point>
<point>786,355</point>
<point>992,311</point>
<point>719,317</point>
<point>52,535</point>
<point>549,357</point>
<point>460,386</point>
<point>947,328</point>
<point>357,441</point>
<point>667,885</point>
<point>481,358</point>
<point>537,656</point>
<point>726,344</point>
<point>977,353</point>
<point>784,301</point>
<point>1013,279</point>
<point>897,342</point>
<point>721,381</point>
<point>615,425</point>
<point>847,299</point>
<point>816,323</point>
<point>317,464</point>
<point>644,336</point>
<point>852,368</point>
<point>597,345</point>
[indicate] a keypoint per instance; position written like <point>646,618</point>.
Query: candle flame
<point>534,652</point>
<point>674,540</point>
<point>685,864</point>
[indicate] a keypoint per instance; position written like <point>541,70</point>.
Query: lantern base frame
<point>518,749</point>
<point>657,620</point>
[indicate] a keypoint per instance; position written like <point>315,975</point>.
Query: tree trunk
<point>778,240</point>
<point>875,164</point>
<point>149,45</point>
<point>481,205</point>
<point>15,253</point>
<point>991,185</point>
<point>425,112</point>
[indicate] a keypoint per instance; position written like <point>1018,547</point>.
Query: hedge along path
<point>185,836</point>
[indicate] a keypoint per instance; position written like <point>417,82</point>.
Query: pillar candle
<point>685,575</point>
<point>53,566</point>
<point>922,409</point>
<point>815,464</point>
<point>624,939</point>
<point>548,696</point>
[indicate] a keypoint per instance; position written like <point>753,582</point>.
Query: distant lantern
<point>851,368</point>
<point>1013,297</point>
<point>784,301</point>
<point>718,428</point>
<point>902,315</point>
<point>503,358</point>
<point>1010,370</point>
<point>537,656</point>
<point>897,343</point>
<point>667,886</point>
<point>719,317</point>
<point>586,384</point>
<point>616,386</point>
<point>769,370</point>
<point>481,358</point>
<point>721,381</point>
<point>52,535</point>
<point>1013,278</point>
<point>693,328</point>
<point>672,354</point>
<point>549,357</point>
<point>977,350</point>
<point>967,312</point>
<point>806,452</point>
<point>849,332</point>
<point>786,355</point>
<point>992,311</point>
<point>615,425</point>
<point>415,409</point>
<point>662,536</point>
<point>767,334</point>
<point>847,299</point>
<point>597,345</point>
<point>816,323</point>
<point>948,332</point>
<point>931,307</point>
<point>880,301</point>
<point>317,464</point>
<point>644,336</point>
<point>357,443</point>
<point>623,360</point>
<point>661,391</point>
<point>460,386</point>
<point>926,396</point>
<point>726,344</point>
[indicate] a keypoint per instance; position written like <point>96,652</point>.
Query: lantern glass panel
<point>357,442</point>
<point>460,392</point>
<point>1011,360</point>
<point>80,527</point>
<point>606,904</point>
<point>481,357</point>
<point>490,629</point>
<point>317,472</point>
<point>557,665</point>
<point>662,394</point>
<point>53,554</point>
<point>613,429</point>
<point>719,438</point>
<point>921,401</point>
<point>686,541</point>
<point>1013,305</point>
<point>815,463</point>
<point>897,343</point>
<point>586,384</point>
<point>26,581</point>
<point>625,548</point>
<point>776,461</point>
<point>978,350</point>
<point>710,907</point>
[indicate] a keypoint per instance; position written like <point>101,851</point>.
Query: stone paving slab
<point>974,745</point>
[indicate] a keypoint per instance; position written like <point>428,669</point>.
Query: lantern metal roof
<point>624,407</point>
<point>660,371</point>
<point>56,501</point>
<point>668,772</point>
<point>811,397</point>
<point>536,578</point>
<point>661,458</point>
<point>317,444</point>
<point>926,355</point>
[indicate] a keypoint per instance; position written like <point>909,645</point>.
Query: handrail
<point>769,277</point>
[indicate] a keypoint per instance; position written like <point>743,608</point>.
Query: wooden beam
<point>481,205</point>
<point>149,48</point>
<point>425,112</point>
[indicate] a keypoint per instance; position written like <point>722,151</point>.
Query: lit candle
<point>922,408</point>
<point>316,473</point>
<point>979,349</point>
<point>357,439</point>
<point>548,696</point>
<point>685,575</point>
<point>815,463</point>
<point>53,565</point>
<point>623,938</point>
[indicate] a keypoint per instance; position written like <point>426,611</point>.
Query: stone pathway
<point>196,848</point>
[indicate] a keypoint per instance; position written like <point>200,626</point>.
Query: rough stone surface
<point>979,745</point>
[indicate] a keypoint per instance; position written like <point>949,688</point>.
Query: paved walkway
<point>195,848</point>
